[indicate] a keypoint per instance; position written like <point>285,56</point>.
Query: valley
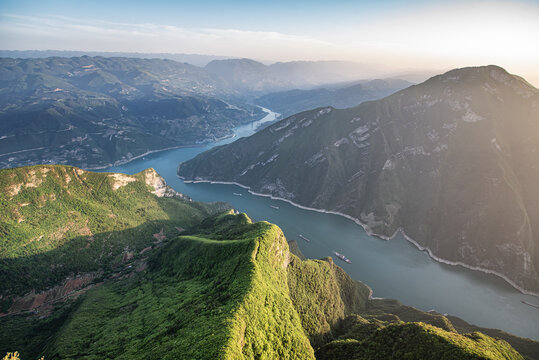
<point>395,272</point>
<point>96,112</point>
<point>285,180</point>
<point>393,269</point>
<point>446,161</point>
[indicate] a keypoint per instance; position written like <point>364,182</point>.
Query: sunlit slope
<point>230,289</point>
<point>216,294</point>
<point>375,339</point>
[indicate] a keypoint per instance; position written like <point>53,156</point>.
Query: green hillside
<point>59,221</point>
<point>374,339</point>
<point>217,287</point>
<point>230,289</point>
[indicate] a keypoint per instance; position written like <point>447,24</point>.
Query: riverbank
<point>370,232</point>
<point>236,132</point>
<point>123,162</point>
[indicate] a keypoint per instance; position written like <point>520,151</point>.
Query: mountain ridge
<point>295,101</point>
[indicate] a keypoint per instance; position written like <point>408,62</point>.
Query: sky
<point>392,34</point>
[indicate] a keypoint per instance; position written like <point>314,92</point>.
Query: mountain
<point>452,162</point>
<point>246,75</point>
<point>94,112</point>
<point>193,59</point>
<point>294,101</point>
<point>253,78</point>
<point>324,72</point>
<point>59,222</point>
<point>207,285</point>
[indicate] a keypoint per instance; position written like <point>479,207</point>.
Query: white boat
<point>304,238</point>
<point>342,257</point>
<point>275,207</point>
<point>237,194</point>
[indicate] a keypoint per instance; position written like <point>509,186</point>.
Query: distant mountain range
<point>99,111</point>
<point>299,72</point>
<point>127,268</point>
<point>253,78</point>
<point>294,101</point>
<point>452,161</point>
<point>94,112</point>
<point>193,59</point>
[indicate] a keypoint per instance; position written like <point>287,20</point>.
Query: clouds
<point>483,32</point>
<point>418,35</point>
<point>64,33</point>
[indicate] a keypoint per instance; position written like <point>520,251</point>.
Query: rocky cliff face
<point>452,161</point>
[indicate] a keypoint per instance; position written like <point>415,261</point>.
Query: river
<point>393,269</point>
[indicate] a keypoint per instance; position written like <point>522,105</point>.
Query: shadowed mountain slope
<point>452,161</point>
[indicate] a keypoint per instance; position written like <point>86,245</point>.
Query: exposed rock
<point>120,180</point>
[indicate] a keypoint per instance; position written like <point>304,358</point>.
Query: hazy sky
<point>392,33</point>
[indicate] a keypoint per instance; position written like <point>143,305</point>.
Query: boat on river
<point>275,207</point>
<point>237,194</point>
<point>529,304</point>
<point>342,257</point>
<point>304,238</point>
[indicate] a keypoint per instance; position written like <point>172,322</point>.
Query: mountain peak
<point>480,74</point>
<point>214,64</point>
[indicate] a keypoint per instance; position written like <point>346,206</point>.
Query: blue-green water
<point>393,269</point>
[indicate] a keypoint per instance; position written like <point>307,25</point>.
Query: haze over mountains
<point>452,161</point>
<point>319,72</point>
<point>96,111</point>
<point>294,101</point>
<point>193,59</point>
<point>255,78</point>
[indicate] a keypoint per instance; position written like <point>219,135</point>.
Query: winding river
<point>393,269</point>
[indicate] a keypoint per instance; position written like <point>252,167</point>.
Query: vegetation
<point>526,347</point>
<point>201,298</point>
<point>59,221</point>
<point>323,295</point>
<point>225,288</point>
<point>416,341</point>
<point>94,111</point>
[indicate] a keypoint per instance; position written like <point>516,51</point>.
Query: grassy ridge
<point>230,289</point>
<point>201,299</point>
